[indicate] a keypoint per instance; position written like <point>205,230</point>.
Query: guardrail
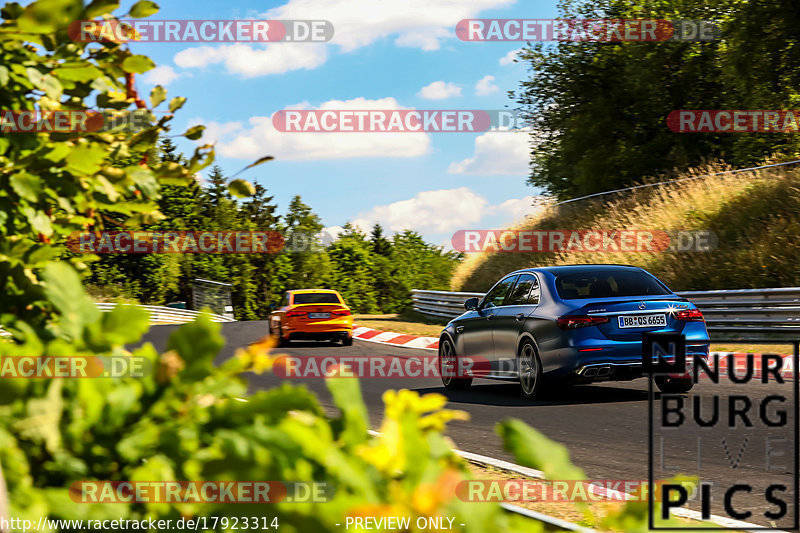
<point>739,314</point>
<point>167,315</point>
<point>158,315</point>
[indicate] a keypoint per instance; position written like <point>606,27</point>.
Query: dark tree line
<point>374,273</point>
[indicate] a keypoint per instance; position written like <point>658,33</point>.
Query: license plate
<point>642,321</point>
<point>319,315</point>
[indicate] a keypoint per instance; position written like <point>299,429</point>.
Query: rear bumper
<point>615,361</point>
<point>611,370</point>
<point>319,326</point>
<point>318,335</point>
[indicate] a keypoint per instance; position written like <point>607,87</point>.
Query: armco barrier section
<point>167,315</point>
<point>158,315</point>
<point>739,314</point>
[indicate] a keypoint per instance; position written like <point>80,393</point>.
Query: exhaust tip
<point>590,372</point>
<point>603,371</point>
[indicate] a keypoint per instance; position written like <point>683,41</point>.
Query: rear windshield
<point>608,285</point>
<point>316,298</point>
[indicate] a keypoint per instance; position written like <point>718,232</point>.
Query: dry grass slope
<point>756,216</point>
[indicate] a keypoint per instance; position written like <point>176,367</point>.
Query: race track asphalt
<point>604,426</point>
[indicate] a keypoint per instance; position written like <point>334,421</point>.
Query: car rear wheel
<point>672,385</point>
<point>448,363</point>
<point>530,370</point>
<point>281,341</point>
<point>347,340</point>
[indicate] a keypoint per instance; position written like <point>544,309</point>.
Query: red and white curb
<point>432,343</point>
<point>395,339</point>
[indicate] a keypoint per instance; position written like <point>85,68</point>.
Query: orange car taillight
<point>690,315</point>
<point>574,322</point>
<point>341,312</point>
<point>291,314</point>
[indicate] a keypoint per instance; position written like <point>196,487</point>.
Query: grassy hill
<point>755,215</point>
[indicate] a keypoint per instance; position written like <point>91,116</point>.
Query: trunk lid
<point>628,317</point>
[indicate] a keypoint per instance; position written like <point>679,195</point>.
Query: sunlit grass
<point>755,215</point>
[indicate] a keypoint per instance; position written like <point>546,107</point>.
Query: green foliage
<point>600,110</point>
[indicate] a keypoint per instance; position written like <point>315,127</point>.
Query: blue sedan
<point>580,323</point>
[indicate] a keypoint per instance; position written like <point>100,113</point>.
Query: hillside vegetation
<point>755,215</point>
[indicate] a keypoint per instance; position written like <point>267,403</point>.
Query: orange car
<point>315,314</point>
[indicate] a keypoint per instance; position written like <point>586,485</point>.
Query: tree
<point>380,244</point>
<point>351,257</point>
<point>599,109</point>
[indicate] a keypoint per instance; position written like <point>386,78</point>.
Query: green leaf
<point>531,448</point>
<point>64,290</point>
<point>144,179</point>
<point>86,159</point>
<point>176,103</point>
<point>157,95</point>
<point>3,76</point>
<point>47,16</point>
<point>256,163</point>
<point>194,133</point>
<point>347,397</point>
<point>99,7</point>
<point>143,8</point>
<point>45,82</point>
<point>138,64</point>
<point>27,186</point>
<point>81,72</point>
<point>38,220</point>
<point>43,417</point>
<point>241,188</point>
<point>197,343</point>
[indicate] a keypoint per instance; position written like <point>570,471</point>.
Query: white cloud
<point>447,210</point>
<point>163,75</point>
<point>439,90</point>
<point>356,23</point>
<point>259,137</point>
<point>510,57</point>
<point>415,23</point>
<point>252,61</point>
<point>429,211</point>
<point>486,86</point>
<point>502,153</point>
<point>517,208</point>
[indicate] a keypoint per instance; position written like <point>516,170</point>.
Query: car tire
<point>281,341</point>
<point>530,370</point>
<point>674,385</point>
<point>347,340</point>
<point>447,355</point>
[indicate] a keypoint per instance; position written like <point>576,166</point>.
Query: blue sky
<point>382,55</point>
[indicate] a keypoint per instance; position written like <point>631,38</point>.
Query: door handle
<point>520,316</point>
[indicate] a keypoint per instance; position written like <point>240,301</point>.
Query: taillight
<point>575,322</point>
<point>291,314</point>
<point>690,315</point>
<point>341,312</point>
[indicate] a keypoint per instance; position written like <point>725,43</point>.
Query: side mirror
<point>471,303</point>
